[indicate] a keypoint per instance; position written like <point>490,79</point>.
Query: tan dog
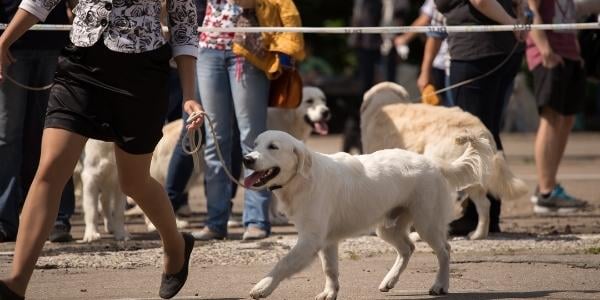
<point>388,121</point>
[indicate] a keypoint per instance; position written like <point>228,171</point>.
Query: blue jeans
<point>21,123</point>
<point>181,167</point>
<point>231,88</point>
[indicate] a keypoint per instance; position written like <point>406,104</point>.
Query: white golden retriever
<point>388,121</point>
<point>332,197</point>
<point>100,185</point>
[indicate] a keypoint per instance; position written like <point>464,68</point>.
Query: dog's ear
<point>304,160</point>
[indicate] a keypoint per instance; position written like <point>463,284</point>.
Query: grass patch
<point>593,250</point>
<point>352,255</point>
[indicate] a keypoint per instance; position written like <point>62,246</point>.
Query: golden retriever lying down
<point>388,121</point>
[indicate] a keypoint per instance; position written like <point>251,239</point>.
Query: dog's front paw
<point>327,294</point>
<point>438,289</point>
<point>90,236</point>
<point>263,288</point>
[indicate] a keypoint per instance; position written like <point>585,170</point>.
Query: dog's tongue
<point>321,128</point>
<point>252,179</point>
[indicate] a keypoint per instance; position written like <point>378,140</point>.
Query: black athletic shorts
<point>111,96</point>
<point>561,88</point>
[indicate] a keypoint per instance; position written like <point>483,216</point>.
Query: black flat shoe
<point>8,294</point>
<point>172,283</point>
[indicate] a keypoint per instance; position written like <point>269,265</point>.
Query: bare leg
<point>550,143</point>
<point>329,262</point>
<point>297,259</point>
<point>136,182</point>
<point>59,154</point>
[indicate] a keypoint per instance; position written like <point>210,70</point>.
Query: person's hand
<point>6,59</point>
<point>191,107</point>
<point>423,80</point>
<point>550,59</point>
<point>400,40</point>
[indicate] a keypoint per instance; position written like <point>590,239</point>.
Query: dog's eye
<point>273,147</point>
<point>310,101</point>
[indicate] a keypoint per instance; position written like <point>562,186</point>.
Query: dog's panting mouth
<point>260,178</point>
<point>321,127</point>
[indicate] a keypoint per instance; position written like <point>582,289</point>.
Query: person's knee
<point>133,186</point>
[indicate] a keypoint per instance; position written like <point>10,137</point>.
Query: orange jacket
<point>275,13</point>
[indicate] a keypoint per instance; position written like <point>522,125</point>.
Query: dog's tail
<point>502,182</point>
<point>472,167</point>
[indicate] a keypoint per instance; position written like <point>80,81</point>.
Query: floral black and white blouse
<point>128,26</point>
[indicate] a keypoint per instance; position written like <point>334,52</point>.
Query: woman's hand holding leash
<point>196,114</point>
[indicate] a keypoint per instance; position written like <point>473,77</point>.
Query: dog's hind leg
<point>397,236</point>
<point>119,201</point>
<point>482,204</point>
<point>434,232</point>
<point>107,210</point>
<point>297,259</point>
<point>329,262</point>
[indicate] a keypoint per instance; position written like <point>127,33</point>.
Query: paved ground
<point>536,257</point>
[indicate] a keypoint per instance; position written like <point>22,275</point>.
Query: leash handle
<point>193,146</point>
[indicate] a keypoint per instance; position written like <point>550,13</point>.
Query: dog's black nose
<point>248,161</point>
<point>325,114</point>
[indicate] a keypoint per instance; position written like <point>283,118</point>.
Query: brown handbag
<point>286,90</point>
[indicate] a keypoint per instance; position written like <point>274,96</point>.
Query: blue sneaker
<point>557,202</point>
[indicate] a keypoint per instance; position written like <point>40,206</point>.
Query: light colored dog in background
<point>332,197</point>
<point>312,115</point>
<point>101,192</point>
<point>389,121</point>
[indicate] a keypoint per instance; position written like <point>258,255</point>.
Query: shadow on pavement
<point>489,295</point>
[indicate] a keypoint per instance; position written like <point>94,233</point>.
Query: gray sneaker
<point>207,234</point>
<point>557,202</point>
<point>254,233</point>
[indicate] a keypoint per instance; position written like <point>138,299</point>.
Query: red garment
<point>563,42</point>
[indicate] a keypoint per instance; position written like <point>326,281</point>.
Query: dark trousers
<point>486,97</point>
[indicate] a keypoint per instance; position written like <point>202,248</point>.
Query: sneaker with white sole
<point>557,202</point>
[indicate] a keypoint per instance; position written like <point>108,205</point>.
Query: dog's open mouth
<point>319,127</point>
<point>260,178</point>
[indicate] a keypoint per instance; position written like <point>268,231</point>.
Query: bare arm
<point>432,47</point>
<point>20,23</point>
<point>406,38</point>
<point>540,39</point>
<point>186,66</point>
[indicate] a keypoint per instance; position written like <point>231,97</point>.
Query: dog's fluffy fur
<point>100,185</point>
<point>332,197</point>
<point>388,121</point>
